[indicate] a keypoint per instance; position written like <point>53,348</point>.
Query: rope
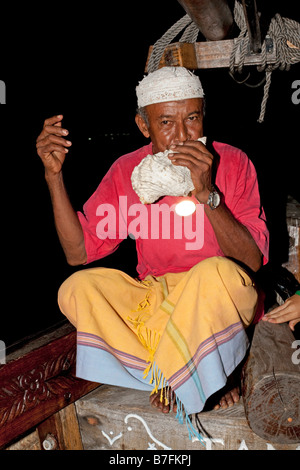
<point>284,32</point>
<point>165,40</point>
<point>190,34</point>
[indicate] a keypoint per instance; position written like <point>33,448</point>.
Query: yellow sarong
<point>182,330</point>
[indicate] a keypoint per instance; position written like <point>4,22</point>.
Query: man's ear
<point>142,125</point>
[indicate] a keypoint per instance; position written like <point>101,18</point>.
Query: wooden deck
<point>114,418</point>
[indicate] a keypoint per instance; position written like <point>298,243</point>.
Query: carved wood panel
<point>37,385</point>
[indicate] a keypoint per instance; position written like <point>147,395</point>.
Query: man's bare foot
<point>229,399</point>
<point>228,395</point>
<point>224,398</point>
<point>164,403</point>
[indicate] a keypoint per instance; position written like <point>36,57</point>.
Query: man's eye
<point>165,122</point>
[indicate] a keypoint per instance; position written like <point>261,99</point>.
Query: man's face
<point>172,122</point>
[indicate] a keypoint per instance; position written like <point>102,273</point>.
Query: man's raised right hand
<point>52,146</point>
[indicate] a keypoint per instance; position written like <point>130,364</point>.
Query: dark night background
<point>84,61</point>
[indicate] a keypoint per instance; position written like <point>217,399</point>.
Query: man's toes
<point>224,403</point>
<point>235,393</point>
<point>228,400</point>
<point>157,403</point>
<point>165,408</point>
<point>154,400</point>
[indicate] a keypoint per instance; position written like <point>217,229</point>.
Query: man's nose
<point>182,134</point>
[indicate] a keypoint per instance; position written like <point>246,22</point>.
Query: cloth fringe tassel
<point>160,383</point>
<point>150,340</point>
<point>181,416</point>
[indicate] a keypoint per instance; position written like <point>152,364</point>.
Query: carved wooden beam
<point>37,385</point>
<point>208,55</point>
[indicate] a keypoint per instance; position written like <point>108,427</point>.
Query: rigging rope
<point>284,32</point>
<point>167,38</point>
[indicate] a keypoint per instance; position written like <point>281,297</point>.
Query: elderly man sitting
<point>179,330</point>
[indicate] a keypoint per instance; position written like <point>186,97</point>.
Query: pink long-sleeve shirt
<point>165,241</point>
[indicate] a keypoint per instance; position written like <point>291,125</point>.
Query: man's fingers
<point>52,130</point>
<point>53,139</point>
<point>53,125</point>
<point>288,308</point>
<point>194,149</point>
<point>52,143</point>
<point>54,120</point>
<point>190,161</point>
<point>56,130</point>
<point>283,317</point>
<point>52,147</point>
<point>189,154</point>
<point>278,309</point>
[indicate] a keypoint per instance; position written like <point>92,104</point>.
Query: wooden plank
<point>216,54</point>
<point>178,54</point>
<point>213,55</point>
<point>37,385</point>
<point>70,426</point>
<point>271,384</point>
<point>208,55</point>
<point>116,418</point>
<point>61,431</point>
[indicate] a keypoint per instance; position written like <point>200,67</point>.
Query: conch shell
<point>156,176</point>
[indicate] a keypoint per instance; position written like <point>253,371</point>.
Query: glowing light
<point>185,208</point>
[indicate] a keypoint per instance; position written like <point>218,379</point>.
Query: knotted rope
<point>189,35</point>
<point>284,32</point>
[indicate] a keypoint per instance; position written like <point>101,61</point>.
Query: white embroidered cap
<point>168,84</point>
